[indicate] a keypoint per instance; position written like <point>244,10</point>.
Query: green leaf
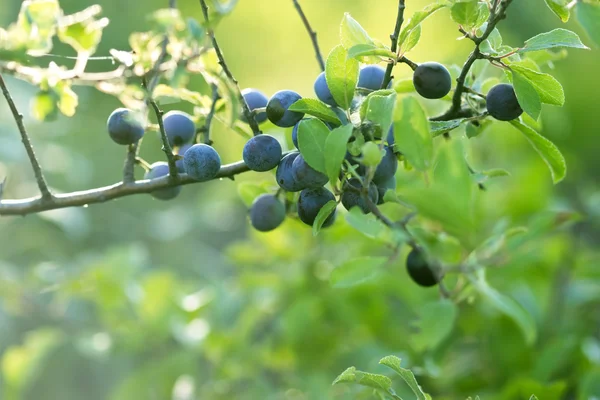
<point>317,109</point>
<point>324,212</point>
<point>556,38</point>
<point>341,74</point>
<point>588,16</point>
<point>452,182</point>
<point>411,133</point>
<point>36,25</point>
<point>312,135</point>
<point>547,87</point>
<point>362,50</point>
<point>67,99</point>
<point>469,14</point>
<point>412,40</point>
<point>546,149</point>
<point>527,95</point>
<point>378,108</point>
<point>348,376</point>
<point>483,176</point>
<point>82,31</point>
<point>335,148</point>
<point>393,362</point>
<point>356,271</point>
<point>352,34</point>
<point>416,20</point>
<point>507,306</point>
<point>492,44</point>
<point>43,106</point>
<point>440,127</point>
<point>373,228</point>
<point>559,7</point>
<point>404,86</point>
<point>352,375</point>
<point>373,380</point>
<point>436,320</point>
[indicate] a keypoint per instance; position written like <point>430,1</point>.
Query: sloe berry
<point>201,162</point>
<point>262,153</point>
<point>125,126</point>
<point>266,213</point>
<point>277,109</point>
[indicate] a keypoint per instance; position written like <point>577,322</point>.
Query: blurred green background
<point>142,299</point>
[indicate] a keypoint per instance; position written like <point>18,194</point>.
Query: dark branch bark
<point>103,194</point>
<point>312,33</point>
<point>394,37</point>
<point>37,169</point>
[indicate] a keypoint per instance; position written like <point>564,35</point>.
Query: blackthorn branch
<point>394,37</point>
<point>37,169</point>
<point>106,193</point>
<point>312,33</point>
<point>497,13</point>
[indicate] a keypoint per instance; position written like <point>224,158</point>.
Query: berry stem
<point>394,37</point>
<point>312,33</point>
<point>37,169</point>
<point>247,113</point>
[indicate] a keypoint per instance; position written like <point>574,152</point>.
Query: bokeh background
<point>142,299</point>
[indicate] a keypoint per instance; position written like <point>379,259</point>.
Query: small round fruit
<point>201,162</point>
<point>255,99</point>
<point>158,170</point>
<point>371,77</point>
<point>352,197</point>
<point>179,127</point>
<point>322,90</point>
<point>125,126</point>
<point>387,167</point>
<point>277,109</point>
<point>306,175</point>
<point>262,153</point>
<point>310,203</point>
<point>390,184</point>
<point>502,102</point>
<point>285,174</point>
<point>420,270</point>
<point>266,213</point>
<point>432,80</point>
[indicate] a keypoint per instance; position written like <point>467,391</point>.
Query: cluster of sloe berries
<point>293,174</point>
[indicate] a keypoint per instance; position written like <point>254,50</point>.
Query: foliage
<point>279,314</point>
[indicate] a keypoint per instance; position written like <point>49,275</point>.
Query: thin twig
<point>205,130</point>
<point>37,169</point>
<point>411,64</point>
<point>166,148</point>
<point>249,116</point>
<point>394,37</point>
<point>312,33</point>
